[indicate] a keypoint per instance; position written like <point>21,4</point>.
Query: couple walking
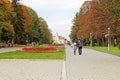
<point>77,45</point>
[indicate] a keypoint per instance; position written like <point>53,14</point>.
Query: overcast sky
<point>58,13</point>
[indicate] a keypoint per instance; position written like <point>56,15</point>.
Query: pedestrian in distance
<point>79,45</point>
<point>74,47</point>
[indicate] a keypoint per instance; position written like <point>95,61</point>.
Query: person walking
<point>74,47</point>
<point>79,45</point>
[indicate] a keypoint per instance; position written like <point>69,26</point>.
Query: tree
<point>27,18</point>
<point>6,15</point>
<point>18,22</point>
<point>34,30</point>
<point>38,29</point>
<point>75,28</point>
<point>95,21</point>
<point>45,31</point>
<point>113,8</point>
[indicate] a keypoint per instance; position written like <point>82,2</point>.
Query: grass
<point>27,55</point>
<point>113,50</point>
<point>40,46</point>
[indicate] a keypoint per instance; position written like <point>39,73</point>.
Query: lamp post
<point>108,39</point>
<point>27,39</point>
<point>90,39</point>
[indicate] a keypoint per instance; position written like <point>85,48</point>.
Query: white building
<point>58,39</point>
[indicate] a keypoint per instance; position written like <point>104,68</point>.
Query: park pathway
<point>92,65</point>
<point>8,49</point>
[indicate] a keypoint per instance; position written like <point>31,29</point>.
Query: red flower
<point>38,50</point>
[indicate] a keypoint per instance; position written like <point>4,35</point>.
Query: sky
<point>58,14</point>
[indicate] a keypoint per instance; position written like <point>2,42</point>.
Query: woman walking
<point>74,48</point>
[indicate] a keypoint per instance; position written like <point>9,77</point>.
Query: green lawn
<point>26,55</point>
<point>113,50</point>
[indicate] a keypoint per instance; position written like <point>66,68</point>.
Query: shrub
<point>40,46</point>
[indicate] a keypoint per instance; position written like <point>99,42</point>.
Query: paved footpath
<point>8,49</point>
<point>92,65</point>
<point>30,69</point>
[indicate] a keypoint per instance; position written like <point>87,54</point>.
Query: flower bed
<point>38,50</point>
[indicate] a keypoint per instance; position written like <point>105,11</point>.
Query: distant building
<point>58,39</point>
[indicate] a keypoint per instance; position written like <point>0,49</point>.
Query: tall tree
<point>34,31</point>
<point>39,31</point>
<point>6,15</point>
<point>96,21</point>
<point>45,31</point>
<point>27,18</point>
<point>18,22</point>
<point>113,8</point>
<point>75,28</point>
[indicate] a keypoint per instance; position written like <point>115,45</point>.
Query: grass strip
<point>27,55</point>
<point>113,50</point>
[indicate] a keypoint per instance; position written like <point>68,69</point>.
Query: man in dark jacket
<point>79,45</point>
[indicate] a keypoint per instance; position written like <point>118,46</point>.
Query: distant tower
<point>57,36</point>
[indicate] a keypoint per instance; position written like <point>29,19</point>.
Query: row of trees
<point>21,24</point>
<point>102,14</point>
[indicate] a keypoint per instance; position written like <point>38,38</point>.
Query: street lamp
<point>108,39</point>
<point>27,39</point>
<point>90,39</point>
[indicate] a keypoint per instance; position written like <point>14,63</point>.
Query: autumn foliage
<point>27,18</point>
<point>21,24</point>
<point>96,21</point>
<point>6,15</point>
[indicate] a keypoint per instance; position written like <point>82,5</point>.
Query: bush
<point>40,46</point>
<point>119,45</point>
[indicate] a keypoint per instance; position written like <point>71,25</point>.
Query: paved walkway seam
<point>64,71</point>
